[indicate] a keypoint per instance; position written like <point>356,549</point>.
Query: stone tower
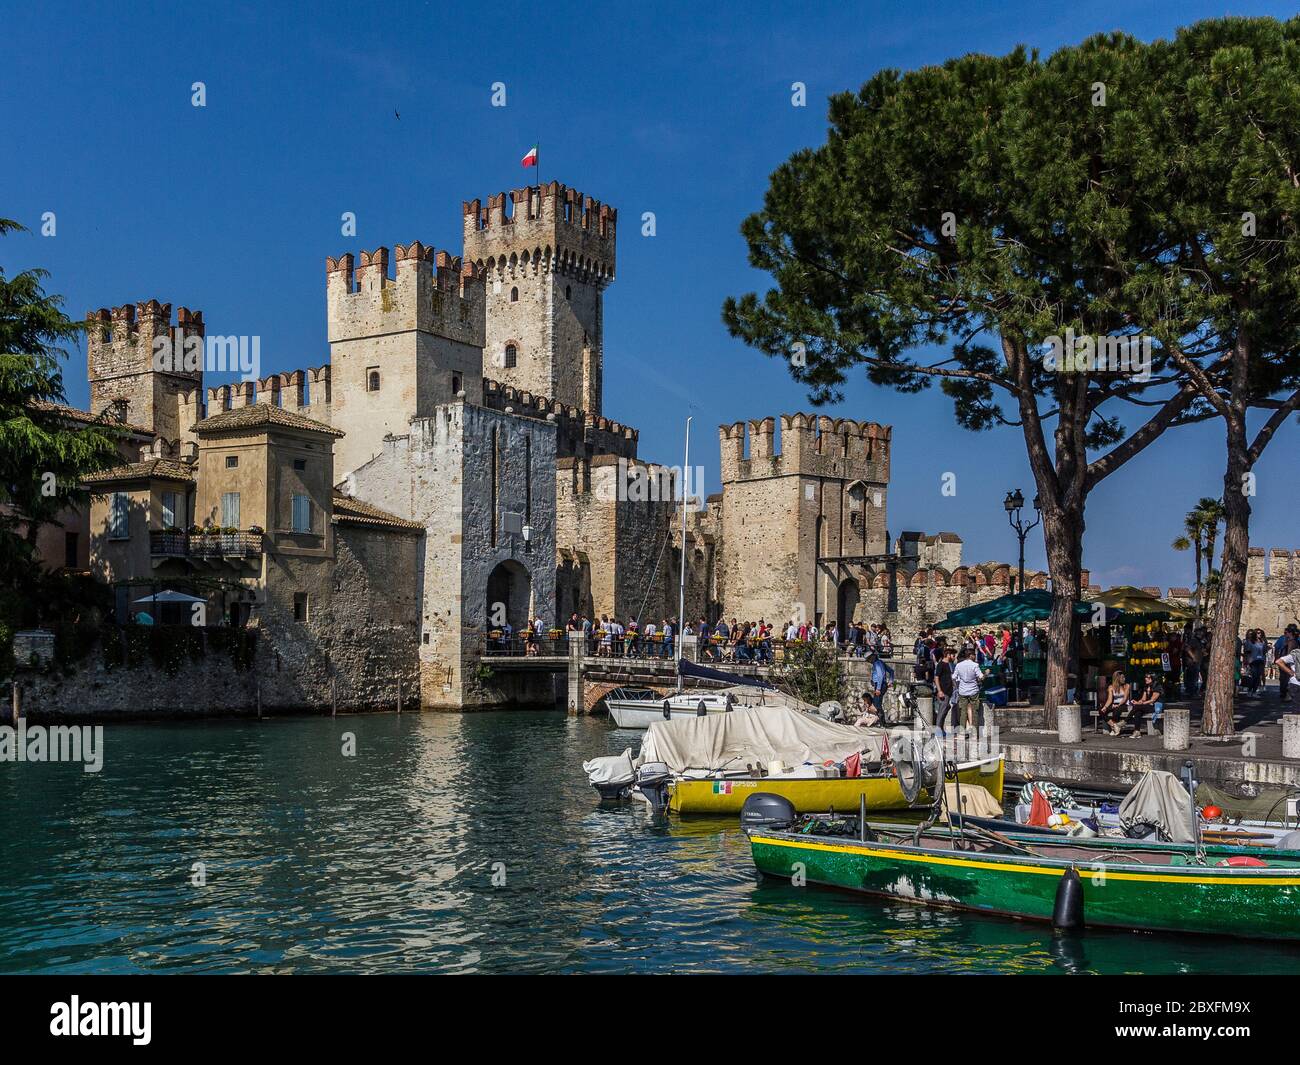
<point>400,345</point>
<point>817,493</point>
<point>547,253</point>
<point>125,376</point>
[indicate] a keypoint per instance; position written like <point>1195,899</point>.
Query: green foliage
<point>813,672</point>
<point>42,455</point>
<point>1111,219</point>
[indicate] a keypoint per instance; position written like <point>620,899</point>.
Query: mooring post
<point>1291,735</point>
<point>1069,723</point>
<point>18,702</point>
<point>399,693</point>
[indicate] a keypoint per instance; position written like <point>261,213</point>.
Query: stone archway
<point>509,595</point>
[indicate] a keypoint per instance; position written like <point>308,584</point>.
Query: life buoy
<point>1243,860</point>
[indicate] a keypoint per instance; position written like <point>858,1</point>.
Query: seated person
<point>1115,710</point>
<point>1152,696</point>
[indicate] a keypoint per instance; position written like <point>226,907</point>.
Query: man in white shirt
<point>967,676</point>
<point>791,632</point>
<point>1288,668</point>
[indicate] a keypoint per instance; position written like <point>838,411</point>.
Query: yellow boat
<point>817,795</point>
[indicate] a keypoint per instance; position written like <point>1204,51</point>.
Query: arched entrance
<point>846,605</point>
<point>509,596</point>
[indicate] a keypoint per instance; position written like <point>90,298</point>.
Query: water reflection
<point>448,843</point>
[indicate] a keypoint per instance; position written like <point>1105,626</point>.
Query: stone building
<point>450,470</point>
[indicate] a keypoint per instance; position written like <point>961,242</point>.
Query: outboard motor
<point>765,810</point>
<point>652,781</point>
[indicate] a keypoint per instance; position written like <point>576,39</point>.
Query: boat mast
<point>681,579</point>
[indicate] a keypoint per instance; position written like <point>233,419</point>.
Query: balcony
<point>208,546</point>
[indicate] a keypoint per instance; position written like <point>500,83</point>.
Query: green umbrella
<point>1032,605</point>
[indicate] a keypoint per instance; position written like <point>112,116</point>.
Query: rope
<point>667,541</point>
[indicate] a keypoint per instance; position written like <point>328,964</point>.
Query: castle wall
<point>1272,600</point>
<point>420,331</point>
<point>442,474</point>
<point>548,252</point>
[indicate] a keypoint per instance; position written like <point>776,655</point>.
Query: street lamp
<point>1013,504</point>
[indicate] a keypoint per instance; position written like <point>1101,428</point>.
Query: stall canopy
<point>1141,604</point>
<point>1032,605</point>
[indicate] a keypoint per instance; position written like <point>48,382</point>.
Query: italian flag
<point>531,158</point>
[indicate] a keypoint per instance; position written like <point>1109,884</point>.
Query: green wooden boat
<point>1152,888</point>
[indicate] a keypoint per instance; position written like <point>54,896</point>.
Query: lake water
<point>385,862</point>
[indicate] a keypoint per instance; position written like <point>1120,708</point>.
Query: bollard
<point>577,695</point>
<point>1291,735</point>
<point>1178,729</point>
<point>925,709</point>
<point>1069,726</point>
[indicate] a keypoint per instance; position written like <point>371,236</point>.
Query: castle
<point>450,467</point>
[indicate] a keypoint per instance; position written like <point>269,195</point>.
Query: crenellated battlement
<point>542,227</point>
<point>305,392</point>
<point>120,340</point>
<point>578,432</point>
<point>426,290</point>
<point>808,445</point>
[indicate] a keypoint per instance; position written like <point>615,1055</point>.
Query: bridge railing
<point>524,645</point>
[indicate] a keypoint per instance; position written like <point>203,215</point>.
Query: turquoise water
<point>384,862</point>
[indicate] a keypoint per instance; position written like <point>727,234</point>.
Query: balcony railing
<point>205,545</point>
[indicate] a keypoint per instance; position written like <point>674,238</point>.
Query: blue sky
<point>678,109</point>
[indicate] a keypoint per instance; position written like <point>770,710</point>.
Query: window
<point>169,510</point>
<point>302,514</point>
<point>300,465</point>
<point>512,355</point>
<point>372,380</point>
<point>514,295</point>
<point>455,384</point>
<point>70,550</point>
<point>568,292</point>
<point>118,516</point>
<point>230,510</point>
<point>300,607</point>
<point>232,462</point>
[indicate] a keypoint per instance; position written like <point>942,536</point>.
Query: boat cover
<point>975,801</point>
<point>1159,799</point>
<point>755,736</point>
<point>611,769</point>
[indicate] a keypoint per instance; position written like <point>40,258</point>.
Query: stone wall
<point>1272,590</point>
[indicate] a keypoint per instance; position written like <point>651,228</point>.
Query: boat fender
<point>668,710</point>
<point>1289,842</point>
<point>699,709</point>
<point>1067,912</point>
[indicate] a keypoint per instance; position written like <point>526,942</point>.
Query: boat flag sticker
<point>722,787</point>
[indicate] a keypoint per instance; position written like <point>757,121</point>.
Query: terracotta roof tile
<point>148,469</point>
<point>348,509</point>
<point>262,414</point>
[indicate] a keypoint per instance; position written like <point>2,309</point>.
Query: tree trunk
<point>1063,535</point>
<point>1200,589</point>
<point>1220,689</point>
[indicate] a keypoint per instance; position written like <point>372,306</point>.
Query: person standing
<point>1284,645</point>
<point>943,690</point>
<point>967,677</point>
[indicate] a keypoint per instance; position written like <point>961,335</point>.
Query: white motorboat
<point>641,707</point>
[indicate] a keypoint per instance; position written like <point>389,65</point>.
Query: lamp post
<point>1013,504</point>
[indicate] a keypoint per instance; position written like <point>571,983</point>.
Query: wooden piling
<point>17,703</point>
<point>399,693</point>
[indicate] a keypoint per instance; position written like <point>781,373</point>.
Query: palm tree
<point>1201,527</point>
